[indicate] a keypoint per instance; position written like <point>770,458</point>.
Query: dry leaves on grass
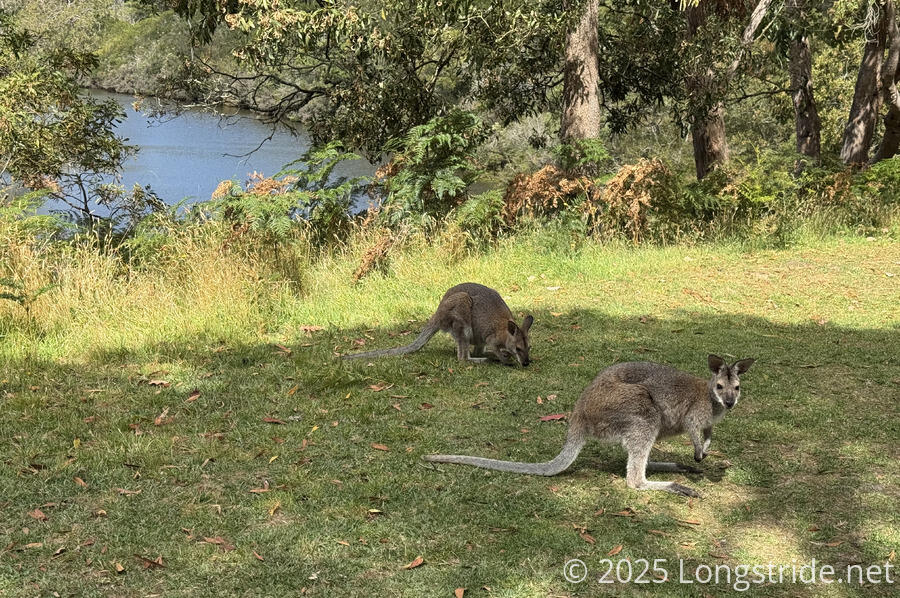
<point>553,418</point>
<point>379,447</point>
<point>219,541</point>
<point>147,563</point>
<point>418,561</point>
<point>37,514</point>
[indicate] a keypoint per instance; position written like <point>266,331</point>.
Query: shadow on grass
<point>282,454</point>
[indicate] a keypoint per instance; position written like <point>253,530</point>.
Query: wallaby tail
<point>430,330</point>
<point>574,441</point>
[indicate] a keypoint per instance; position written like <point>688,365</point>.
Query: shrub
<point>432,167</point>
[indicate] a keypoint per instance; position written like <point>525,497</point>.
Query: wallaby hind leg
<point>638,457</point>
<point>462,333</point>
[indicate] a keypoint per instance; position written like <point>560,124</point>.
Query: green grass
<point>805,467</point>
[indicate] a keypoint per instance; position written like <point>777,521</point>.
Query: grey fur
<point>635,404</point>
<point>474,315</point>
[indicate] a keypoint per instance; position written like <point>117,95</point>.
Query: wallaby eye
<point>738,387</point>
<point>719,386</point>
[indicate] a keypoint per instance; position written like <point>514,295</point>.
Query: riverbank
<point>189,421</point>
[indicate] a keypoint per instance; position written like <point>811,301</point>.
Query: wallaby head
<point>517,345</point>
<point>725,384</point>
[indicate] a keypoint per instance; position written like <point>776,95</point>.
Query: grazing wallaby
<point>635,404</point>
<point>475,315</point>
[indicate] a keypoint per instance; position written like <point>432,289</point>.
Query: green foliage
<point>305,193</point>
<point>585,156</point>
<point>373,71</point>
<point>481,216</point>
<point>54,137</point>
<point>433,166</point>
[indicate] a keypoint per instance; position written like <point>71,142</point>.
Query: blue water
<point>185,157</point>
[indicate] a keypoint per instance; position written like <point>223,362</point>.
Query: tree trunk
<point>707,129</point>
<point>581,102</point>
<point>806,117</point>
<point>889,74</point>
<point>866,101</point>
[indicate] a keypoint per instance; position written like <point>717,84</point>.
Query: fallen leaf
<point>221,542</point>
<point>274,508</point>
<point>397,407</point>
<point>379,447</point>
<point>343,542</point>
<point>265,488</point>
<point>156,563</point>
<point>587,537</point>
<point>119,568</point>
<point>426,406</point>
<point>556,314</point>
<point>80,482</point>
<point>615,551</point>
<point>554,417</point>
<point>282,349</point>
<point>379,387</point>
<point>813,528</point>
<point>163,383</point>
<point>477,384</point>
<point>273,420</point>
<point>626,512</point>
<point>38,514</point>
<point>161,418</point>
<point>34,545</point>
<point>458,592</point>
<point>310,329</point>
<point>716,555</point>
<point>418,561</point>
<point>127,492</point>
<point>195,394</point>
<point>553,288</point>
<point>256,554</point>
<point>689,521</point>
<point>293,389</point>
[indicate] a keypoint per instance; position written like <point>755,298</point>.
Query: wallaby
<point>474,315</point>
<point>635,404</point>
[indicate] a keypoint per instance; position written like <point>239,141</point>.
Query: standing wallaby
<point>635,404</point>
<point>475,315</point>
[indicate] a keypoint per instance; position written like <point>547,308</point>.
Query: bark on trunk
<point>707,129</point>
<point>806,117</point>
<point>581,102</point>
<point>866,101</point>
<point>889,73</point>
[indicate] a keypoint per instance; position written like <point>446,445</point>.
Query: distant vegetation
<point>475,116</point>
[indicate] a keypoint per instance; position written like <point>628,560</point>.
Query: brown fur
<point>477,317</point>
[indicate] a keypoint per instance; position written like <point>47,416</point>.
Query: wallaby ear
<point>739,367</point>
<point>527,322</point>
<point>511,327</point>
<point>715,362</point>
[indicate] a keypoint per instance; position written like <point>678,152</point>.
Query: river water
<point>185,157</point>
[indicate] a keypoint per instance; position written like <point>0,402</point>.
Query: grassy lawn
<point>207,421</point>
